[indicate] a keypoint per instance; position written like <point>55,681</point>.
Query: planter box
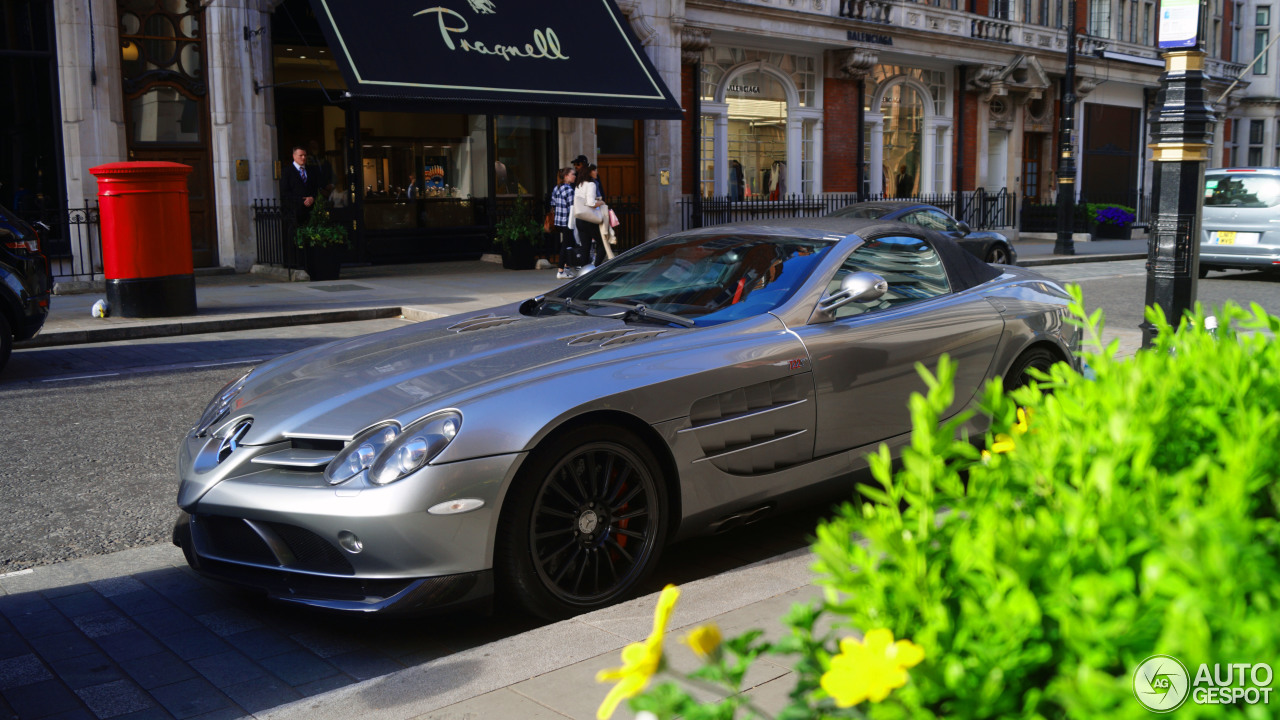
<point>324,263</point>
<point>519,258</point>
<point>1107,231</point>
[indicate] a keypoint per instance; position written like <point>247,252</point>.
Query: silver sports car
<point>549,449</point>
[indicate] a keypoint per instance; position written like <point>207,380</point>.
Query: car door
<point>863,360</point>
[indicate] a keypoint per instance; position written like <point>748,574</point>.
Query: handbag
<point>587,214</point>
<point>547,222</point>
<point>613,219</point>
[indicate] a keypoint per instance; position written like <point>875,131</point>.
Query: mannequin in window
<point>778,180</point>
<point>765,176</point>
<point>737,181</point>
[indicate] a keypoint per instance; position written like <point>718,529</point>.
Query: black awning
<point>572,58</point>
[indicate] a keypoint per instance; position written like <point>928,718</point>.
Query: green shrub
<point>1112,519</point>
<point>1135,514</point>
<point>519,229</point>
<point>320,229</point>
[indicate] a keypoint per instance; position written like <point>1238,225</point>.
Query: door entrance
<point>166,103</point>
<point>1032,145</point>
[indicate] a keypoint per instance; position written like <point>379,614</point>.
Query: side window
<point>931,219</point>
<point>910,265</point>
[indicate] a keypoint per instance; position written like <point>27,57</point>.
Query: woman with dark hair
<point>587,215</point>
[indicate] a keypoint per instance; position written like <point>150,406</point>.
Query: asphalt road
<point>88,433</point>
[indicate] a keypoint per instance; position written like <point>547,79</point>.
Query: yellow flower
<point>1003,444</point>
<point>1024,422</point>
<point>705,640</point>
<point>639,660</point>
<point>868,670</point>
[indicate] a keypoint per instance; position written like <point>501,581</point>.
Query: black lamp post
<point>1065,244</point>
<point>1181,138</point>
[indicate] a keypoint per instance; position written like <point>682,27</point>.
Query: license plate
<point>1232,237</point>
<point>1225,237</point>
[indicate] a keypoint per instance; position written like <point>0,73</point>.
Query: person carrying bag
<point>591,216</point>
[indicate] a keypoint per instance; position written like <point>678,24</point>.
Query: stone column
<point>658,25</point>
<point>93,131</point>
<point>242,120</point>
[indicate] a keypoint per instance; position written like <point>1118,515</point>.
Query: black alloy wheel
<point>588,523</point>
<point>998,253</point>
<point>1037,358</point>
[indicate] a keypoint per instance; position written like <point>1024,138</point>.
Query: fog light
<point>350,542</point>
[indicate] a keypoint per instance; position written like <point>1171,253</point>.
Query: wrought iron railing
<point>982,210</point>
<point>73,241</point>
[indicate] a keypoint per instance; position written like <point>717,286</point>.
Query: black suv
<point>24,283</point>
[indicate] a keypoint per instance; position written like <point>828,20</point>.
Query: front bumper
<point>278,530</point>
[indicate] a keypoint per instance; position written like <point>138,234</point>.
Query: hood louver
<point>482,322</point>
<point>613,338</point>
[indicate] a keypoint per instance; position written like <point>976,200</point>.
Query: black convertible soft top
<point>964,270</point>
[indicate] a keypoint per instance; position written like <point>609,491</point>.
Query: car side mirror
<point>962,227</point>
<point>856,287</point>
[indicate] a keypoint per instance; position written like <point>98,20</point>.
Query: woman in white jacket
<point>589,212</point>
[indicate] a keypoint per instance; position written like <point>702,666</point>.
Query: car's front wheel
<point>584,523</point>
<point>1020,373</point>
<point>998,253</point>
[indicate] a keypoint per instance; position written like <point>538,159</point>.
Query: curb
<point>212,325</point>
<point>1072,259</point>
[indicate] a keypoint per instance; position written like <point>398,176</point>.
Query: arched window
<point>909,131</point>
<point>760,127</point>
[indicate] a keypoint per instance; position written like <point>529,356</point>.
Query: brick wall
<point>840,98</point>
<point>966,147</point>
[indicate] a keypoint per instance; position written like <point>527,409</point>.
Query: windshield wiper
<point>639,311</point>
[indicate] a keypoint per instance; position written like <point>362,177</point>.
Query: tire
<point>1204,272</point>
<point>583,525</point>
<point>6,341</point>
<point>998,253</point>
<point>1037,358</point>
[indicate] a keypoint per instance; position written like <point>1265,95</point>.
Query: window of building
<point>1043,17</point>
<point>1100,18</point>
<point>1261,38</point>
<point>1257,131</point>
<point>1148,10</point>
<point>760,106</point>
<point>1000,9</point>
<point>422,171</point>
<point>1235,32</point>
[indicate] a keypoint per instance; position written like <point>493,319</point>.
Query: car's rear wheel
<point>584,523</point>
<point>1204,271</point>
<point>1036,358</point>
<point>998,253</point>
<point>6,341</point>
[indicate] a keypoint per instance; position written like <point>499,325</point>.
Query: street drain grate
<point>341,288</point>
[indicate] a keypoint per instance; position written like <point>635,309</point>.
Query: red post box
<point>146,238</point>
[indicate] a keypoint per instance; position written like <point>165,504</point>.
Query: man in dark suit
<point>297,193</point>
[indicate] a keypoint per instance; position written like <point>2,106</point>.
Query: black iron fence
<point>980,209</point>
<point>268,230</point>
<point>73,241</point>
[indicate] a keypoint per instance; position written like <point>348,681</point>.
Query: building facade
<point>779,98</point>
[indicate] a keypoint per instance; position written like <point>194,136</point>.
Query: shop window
<point>903,110</point>
<point>758,133</point>
<point>706,170</point>
<point>806,154</point>
<point>421,171</point>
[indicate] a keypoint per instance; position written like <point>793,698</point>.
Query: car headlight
<point>389,453</point>
<point>415,447</point>
<point>360,454</point>
<point>220,405</point>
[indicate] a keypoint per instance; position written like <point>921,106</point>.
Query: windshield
<point>869,212</point>
<point>1241,190</point>
<point>704,279</point>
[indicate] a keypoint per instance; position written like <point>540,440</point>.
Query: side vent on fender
<point>612,338</point>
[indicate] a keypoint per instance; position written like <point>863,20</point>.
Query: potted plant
<point>322,241</point>
<point>516,234</point>
<point>1111,222</point>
